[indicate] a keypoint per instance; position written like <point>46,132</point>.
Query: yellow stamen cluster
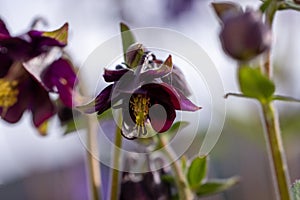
<point>8,94</point>
<point>140,106</point>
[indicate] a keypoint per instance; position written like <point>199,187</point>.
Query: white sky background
<point>92,22</point>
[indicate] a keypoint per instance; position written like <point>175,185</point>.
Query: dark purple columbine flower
<point>145,98</point>
<point>20,89</point>
<point>243,35</point>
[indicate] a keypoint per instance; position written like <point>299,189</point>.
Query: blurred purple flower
<point>243,35</point>
<point>146,99</point>
<point>20,89</point>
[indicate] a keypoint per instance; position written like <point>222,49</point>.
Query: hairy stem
<point>180,178</point>
<point>276,151</point>
<point>92,155</point>
<point>272,129</point>
<point>114,187</point>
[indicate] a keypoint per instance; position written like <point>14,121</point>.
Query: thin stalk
<point>276,151</point>
<point>92,155</point>
<point>270,14</point>
<point>114,187</point>
<point>272,129</point>
<point>180,178</point>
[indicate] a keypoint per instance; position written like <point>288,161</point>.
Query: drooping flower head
<point>141,88</point>
<point>31,66</point>
<point>243,35</point>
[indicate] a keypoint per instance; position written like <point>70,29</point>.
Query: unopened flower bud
<point>245,36</point>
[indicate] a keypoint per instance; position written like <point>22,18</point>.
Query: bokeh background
<point>53,167</point>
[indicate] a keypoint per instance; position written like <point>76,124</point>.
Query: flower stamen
<point>8,94</point>
<point>140,106</point>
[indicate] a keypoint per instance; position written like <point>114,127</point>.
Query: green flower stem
<point>270,14</point>
<point>272,129</point>
<point>92,155</point>
<point>276,151</point>
<point>114,187</point>
<point>180,179</point>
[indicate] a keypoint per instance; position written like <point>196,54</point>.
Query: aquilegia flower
<point>22,90</point>
<point>243,35</point>
<point>145,98</point>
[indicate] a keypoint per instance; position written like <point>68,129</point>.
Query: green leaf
<point>216,186</point>
<point>255,85</point>
<point>197,172</point>
<point>296,190</point>
<point>168,179</point>
<point>127,37</point>
<point>265,5</point>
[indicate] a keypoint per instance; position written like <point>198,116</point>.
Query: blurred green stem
<point>180,179</point>
<point>276,151</point>
<point>271,122</point>
<point>114,187</point>
<point>92,155</point>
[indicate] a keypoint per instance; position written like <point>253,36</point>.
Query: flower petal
<point>6,63</point>
<point>101,103</point>
<point>60,75</point>
<point>42,108</point>
<point>177,80</point>
<point>16,48</point>
<point>168,95</point>
<point>58,37</point>
<point>161,117</point>
<point>164,69</point>
<point>3,29</point>
<point>14,113</point>
<point>114,75</point>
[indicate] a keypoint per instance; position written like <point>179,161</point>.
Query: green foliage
<point>296,190</point>
<point>254,84</point>
<point>197,172</point>
<point>127,37</point>
<point>197,179</point>
<point>215,186</point>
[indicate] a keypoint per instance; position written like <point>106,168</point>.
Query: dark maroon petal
<point>43,39</point>
<point>103,100</point>
<point>16,48</point>
<point>163,70</point>
<point>114,75</point>
<point>3,29</point>
<point>177,80</point>
<point>161,117</point>
<point>15,112</point>
<point>41,106</point>
<point>5,63</point>
<point>101,103</point>
<point>60,75</point>
<point>168,95</point>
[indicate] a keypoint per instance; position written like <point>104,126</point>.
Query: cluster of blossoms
<point>150,91</point>
<point>32,67</point>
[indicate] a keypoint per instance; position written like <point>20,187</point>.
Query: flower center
<point>140,106</point>
<point>8,94</point>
